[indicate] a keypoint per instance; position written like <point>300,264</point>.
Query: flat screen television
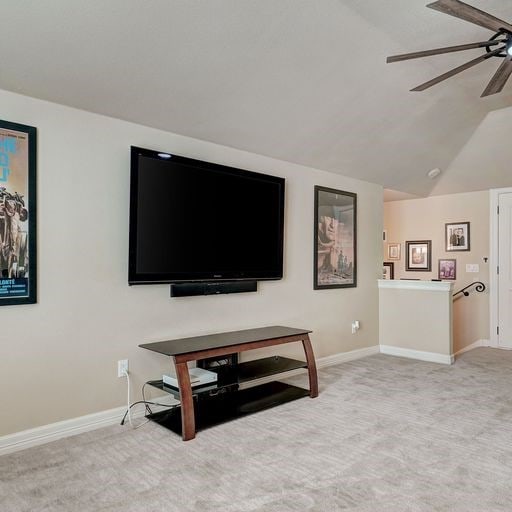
<point>195,221</point>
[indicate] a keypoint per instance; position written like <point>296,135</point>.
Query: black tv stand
<point>224,400</point>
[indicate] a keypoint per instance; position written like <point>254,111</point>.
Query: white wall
<point>484,160</point>
<point>58,357</point>
<point>424,219</point>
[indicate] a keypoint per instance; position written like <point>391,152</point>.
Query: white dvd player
<point>198,377</point>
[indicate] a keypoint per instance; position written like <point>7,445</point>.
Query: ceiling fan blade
<point>439,51</point>
<point>469,13</point>
<point>458,69</point>
<point>500,77</point>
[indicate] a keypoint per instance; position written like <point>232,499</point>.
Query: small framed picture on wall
<point>394,252</point>
<point>418,255</point>
<point>457,236</point>
<point>447,269</point>
<point>388,270</point>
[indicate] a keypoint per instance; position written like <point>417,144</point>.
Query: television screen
<point>197,221</point>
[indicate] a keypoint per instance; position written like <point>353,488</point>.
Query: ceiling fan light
<point>509,49</point>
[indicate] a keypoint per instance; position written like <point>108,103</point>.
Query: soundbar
<point>215,288</point>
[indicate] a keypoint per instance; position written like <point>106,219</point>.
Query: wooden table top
<point>222,339</point>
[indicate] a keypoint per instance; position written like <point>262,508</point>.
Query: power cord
<point>169,406</point>
<point>143,401</point>
<point>129,411</point>
<point>148,409</point>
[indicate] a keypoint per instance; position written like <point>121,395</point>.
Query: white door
<point>505,271</point>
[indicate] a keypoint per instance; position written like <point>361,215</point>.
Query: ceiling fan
<point>499,45</point>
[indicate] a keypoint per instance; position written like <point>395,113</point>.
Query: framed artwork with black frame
<point>335,234</point>
<point>456,236</point>
<point>418,255</point>
<point>388,270</point>
<point>18,148</point>
<point>447,269</point>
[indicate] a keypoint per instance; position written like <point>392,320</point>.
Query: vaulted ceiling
<point>299,80</point>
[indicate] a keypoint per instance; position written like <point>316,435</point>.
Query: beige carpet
<point>385,434</point>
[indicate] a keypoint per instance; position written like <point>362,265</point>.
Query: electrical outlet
<point>355,326</point>
<point>122,367</point>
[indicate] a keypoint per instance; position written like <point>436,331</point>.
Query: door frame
<point>493,264</point>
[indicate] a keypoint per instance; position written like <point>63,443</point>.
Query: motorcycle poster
<point>17,214</point>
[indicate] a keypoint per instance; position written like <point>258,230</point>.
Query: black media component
<point>226,367</point>
<point>189,289</point>
<point>194,222</point>
<point>219,362</point>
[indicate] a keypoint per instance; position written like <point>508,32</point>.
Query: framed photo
<point>394,252</point>
<point>17,214</point>
<point>457,236</point>
<point>335,253</point>
<point>447,269</point>
<point>388,270</point>
<point>419,255</point>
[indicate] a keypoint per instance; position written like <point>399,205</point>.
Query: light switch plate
<point>472,267</point>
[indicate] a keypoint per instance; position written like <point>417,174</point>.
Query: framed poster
<point>335,253</point>
<point>17,214</point>
<point>388,270</point>
<point>457,236</point>
<point>447,269</point>
<point>418,255</point>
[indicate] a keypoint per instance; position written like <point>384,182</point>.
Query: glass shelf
<point>228,405</point>
<point>229,378</point>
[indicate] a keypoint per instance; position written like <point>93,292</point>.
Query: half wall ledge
<point>416,319</point>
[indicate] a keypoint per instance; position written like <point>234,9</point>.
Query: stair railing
<point>479,287</point>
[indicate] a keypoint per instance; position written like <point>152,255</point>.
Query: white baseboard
<point>47,433</point>
<point>52,432</point>
<point>476,344</point>
<point>344,357</point>
<point>322,362</point>
<point>432,357</point>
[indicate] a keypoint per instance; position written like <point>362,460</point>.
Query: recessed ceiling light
<point>434,173</point>
<point>164,155</point>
